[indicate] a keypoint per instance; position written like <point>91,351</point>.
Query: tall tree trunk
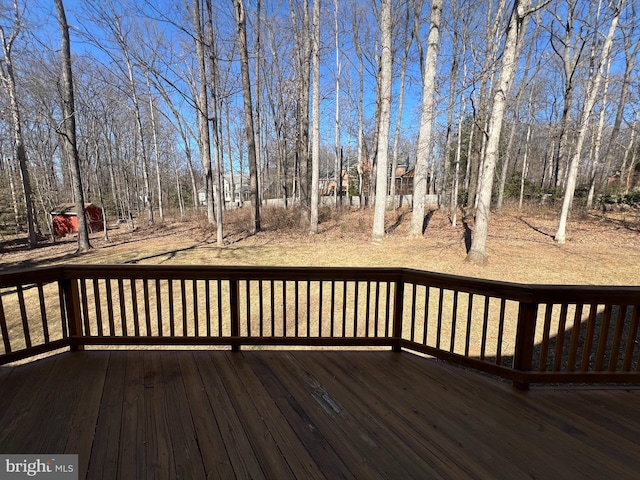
<point>202,105</point>
<point>361,167</point>
<point>8,79</point>
<point>426,121</point>
<point>403,73</point>
<point>631,48</point>
<point>315,121</point>
<point>513,41</point>
<point>516,121</point>
<point>456,171</point>
<point>478,142</point>
<point>573,46</point>
<point>156,149</point>
<point>384,100</point>
<point>248,115</point>
<point>69,128</point>
<point>217,136</point>
<point>303,54</point>
<point>591,94</point>
<point>337,168</point>
<point>597,141</point>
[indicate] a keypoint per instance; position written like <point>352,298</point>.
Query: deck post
<point>398,308</point>
<point>72,308</point>
<point>523,356</point>
<point>234,309</point>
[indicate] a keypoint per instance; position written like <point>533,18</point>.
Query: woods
<point>307,102</point>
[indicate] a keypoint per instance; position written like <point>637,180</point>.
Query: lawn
<point>599,250</point>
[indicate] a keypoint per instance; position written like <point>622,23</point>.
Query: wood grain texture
<point>309,414</point>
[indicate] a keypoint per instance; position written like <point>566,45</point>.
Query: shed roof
<point>68,209</point>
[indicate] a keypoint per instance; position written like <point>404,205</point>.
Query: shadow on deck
<point>308,414</point>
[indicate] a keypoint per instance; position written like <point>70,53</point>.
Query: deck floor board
<point>308,414</point>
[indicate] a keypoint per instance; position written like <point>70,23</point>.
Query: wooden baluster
<point>425,319</point>
<point>604,334</point>
<point>617,337</point>
<point>261,307</point>
<point>85,306</point>
<point>631,339</point>
<point>183,300</point>
<point>207,306</point>
<point>234,310</point>
<point>398,312</point>
<point>43,313</point>
<point>588,339</point>
<point>273,309</point>
<point>387,319</point>
<point>123,308</point>
<point>376,320</point>
<point>72,308</point>
<point>134,307</point>
<point>147,312</point>
<point>546,332</point>
<point>3,328</point>
<point>220,332</point>
<point>355,308</point>
<point>439,330</point>
<point>413,312</point>
<point>557,358</point>
<point>63,311</point>
<point>485,325</point>
<point>344,308</point>
<point>284,308</point>
<point>333,307</point>
<point>97,306</point>
<point>454,321</point>
<point>23,316</point>
<point>158,307</point>
<point>467,338</point>
<point>503,305</point>
<point>575,337</point>
<point>172,325</point>
<point>320,301</point>
<point>525,333</point>
<point>367,310</point>
<point>247,288</point>
<point>196,319</point>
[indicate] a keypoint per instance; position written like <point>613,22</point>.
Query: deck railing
<point>524,333</point>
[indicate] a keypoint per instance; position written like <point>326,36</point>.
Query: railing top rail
<point>232,272</point>
<point>492,288</point>
<point>30,275</point>
<point>528,293</point>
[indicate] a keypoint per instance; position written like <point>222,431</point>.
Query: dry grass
<point>599,249</point>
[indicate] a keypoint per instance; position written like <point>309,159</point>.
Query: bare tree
<point>403,72</point>
<point>69,128</point>
<point>591,94</point>
<point>426,120</point>
<point>7,74</point>
<point>512,44</point>
<point>303,58</point>
<point>384,97</point>
<point>315,120</point>
<point>248,114</point>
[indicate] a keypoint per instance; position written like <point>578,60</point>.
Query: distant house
<point>242,191</point>
<point>64,218</point>
<point>327,185</point>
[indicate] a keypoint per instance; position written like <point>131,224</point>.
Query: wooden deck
<point>309,414</point>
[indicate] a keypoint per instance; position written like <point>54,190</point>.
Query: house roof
<point>68,209</point>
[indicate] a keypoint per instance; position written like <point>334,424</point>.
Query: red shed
<point>64,218</point>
